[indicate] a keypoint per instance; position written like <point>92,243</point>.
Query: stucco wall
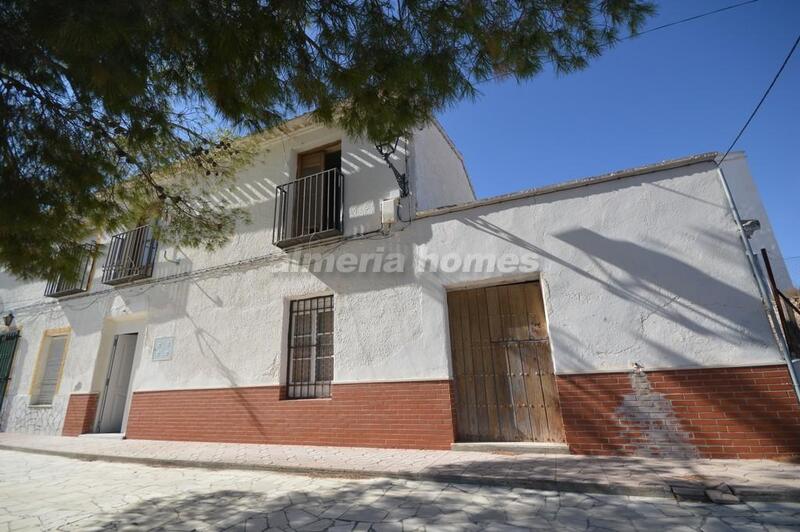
<point>438,174</point>
<point>367,180</point>
<point>750,206</point>
<point>645,269</point>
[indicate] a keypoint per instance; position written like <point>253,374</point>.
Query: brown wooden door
<point>307,194</point>
<point>505,388</point>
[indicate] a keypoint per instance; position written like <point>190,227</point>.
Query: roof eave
<point>576,183</point>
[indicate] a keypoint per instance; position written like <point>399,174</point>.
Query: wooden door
<point>505,388</point>
<point>305,199</point>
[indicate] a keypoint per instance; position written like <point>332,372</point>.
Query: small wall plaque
<point>162,348</point>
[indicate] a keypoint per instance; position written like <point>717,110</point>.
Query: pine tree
<point>110,110</point>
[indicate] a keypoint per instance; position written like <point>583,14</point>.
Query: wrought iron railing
<point>785,309</point>
<point>131,256</point>
<point>308,209</point>
<point>60,287</point>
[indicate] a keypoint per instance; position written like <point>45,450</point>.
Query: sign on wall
<point>162,348</point>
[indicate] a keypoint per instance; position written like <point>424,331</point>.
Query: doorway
<point>505,387</point>
<point>114,397</point>
<point>317,202</point>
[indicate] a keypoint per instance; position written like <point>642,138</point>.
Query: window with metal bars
<point>310,369</point>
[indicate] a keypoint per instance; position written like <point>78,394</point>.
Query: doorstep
<point>104,435</point>
<point>512,447</point>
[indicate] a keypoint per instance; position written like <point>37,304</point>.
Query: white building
<point>614,314</point>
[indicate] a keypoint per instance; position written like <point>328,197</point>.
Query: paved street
<point>623,475</point>
<point>48,492</point>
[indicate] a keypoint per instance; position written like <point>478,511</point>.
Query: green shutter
<point>8,344</point>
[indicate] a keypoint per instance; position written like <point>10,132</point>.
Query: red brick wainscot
<point>416,415</point>
<point>81,410</point>
<point>745,412</point>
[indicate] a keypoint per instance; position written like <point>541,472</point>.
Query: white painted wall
<point>750,206</point>
<point>439,176</point>
<point>211,317</point>
<point>644,269</point>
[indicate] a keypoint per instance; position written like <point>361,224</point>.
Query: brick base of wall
<point>711,413</point>
<point>81,410</point>
<point>400,415</point>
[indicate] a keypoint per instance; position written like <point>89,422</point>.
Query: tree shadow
<point>748,418</point>
<point>343,505</point>
<point>384,504</point>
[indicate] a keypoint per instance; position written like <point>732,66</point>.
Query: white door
<point>115,394</point>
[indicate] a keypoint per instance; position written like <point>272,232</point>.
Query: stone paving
<point>40,492</point>
<point>752,479</point>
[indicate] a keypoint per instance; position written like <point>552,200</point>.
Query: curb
<point>570,486</point>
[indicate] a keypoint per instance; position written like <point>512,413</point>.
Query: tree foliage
<point>101,100</point>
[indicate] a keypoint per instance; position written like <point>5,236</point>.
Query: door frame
<point>486,283</point>
<point>113,363</point>
<point>113,327</point>
<point>528,277</point>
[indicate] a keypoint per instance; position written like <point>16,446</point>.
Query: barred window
<point>310,347</point>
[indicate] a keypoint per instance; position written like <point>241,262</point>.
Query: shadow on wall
<point>649,276</point>
<point>695,293</point>
<point>695,301</point>
<point>255,188</point>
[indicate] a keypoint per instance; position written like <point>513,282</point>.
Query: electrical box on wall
<point>389,210</point>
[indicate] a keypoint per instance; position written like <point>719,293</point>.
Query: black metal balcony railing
<point>131,256</point>
<point>309,208</point>
<point>60,287</point>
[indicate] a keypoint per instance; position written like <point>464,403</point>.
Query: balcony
<point>131,256</point>
<point>308,209</point>
<point>60,287</point>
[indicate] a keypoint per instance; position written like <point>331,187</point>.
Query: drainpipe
<point>783,347</point>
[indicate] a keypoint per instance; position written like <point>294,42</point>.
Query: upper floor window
<point>60,286</point>
<point>319,160</point>
<point>310,207</point>
<point>310,347</point>
<point>49,365</point>
<point>131,256</point>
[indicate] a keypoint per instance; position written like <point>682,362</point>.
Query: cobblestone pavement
<point>55,493</point>
<point>626,475</point>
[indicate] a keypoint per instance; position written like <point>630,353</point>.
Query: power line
<point>649,30</point>
<point>761,101</point>
<point>688,19</point>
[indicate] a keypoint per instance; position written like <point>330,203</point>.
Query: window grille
<point>59,287</point>
<point>131,256</point>
<point>307,209</point>
<point>8,343</point>
<point>310,348</point>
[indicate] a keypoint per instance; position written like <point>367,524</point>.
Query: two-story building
<point>624,313</point>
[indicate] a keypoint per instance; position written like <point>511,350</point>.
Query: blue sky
<point>674,92</point>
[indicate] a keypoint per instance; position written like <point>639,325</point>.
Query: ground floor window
<point>48,367</point>
<point>310,347</point>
